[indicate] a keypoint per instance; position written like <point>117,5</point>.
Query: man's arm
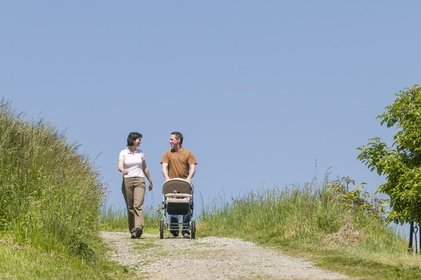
<point>192,170</point>
<point>164,169</point>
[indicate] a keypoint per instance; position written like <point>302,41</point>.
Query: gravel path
<point>207,258</point>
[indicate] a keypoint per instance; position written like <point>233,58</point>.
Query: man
<point>179,163</point>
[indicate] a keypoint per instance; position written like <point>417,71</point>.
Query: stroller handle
<point>177,185</point>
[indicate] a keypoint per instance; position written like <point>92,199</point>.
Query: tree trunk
<point>411,236</point>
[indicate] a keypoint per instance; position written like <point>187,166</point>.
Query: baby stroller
<point>177,200</point>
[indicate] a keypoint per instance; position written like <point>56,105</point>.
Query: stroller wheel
<point>193,229</point>
<point>161,229</point>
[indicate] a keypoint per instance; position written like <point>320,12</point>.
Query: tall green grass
<point>116,219</point>
<point>23,261</point>
<point>51,196</point>
<point>337,228</point>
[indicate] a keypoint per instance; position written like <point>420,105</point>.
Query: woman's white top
<point>133,162</point>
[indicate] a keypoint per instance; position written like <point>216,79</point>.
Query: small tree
<point>400,163</point>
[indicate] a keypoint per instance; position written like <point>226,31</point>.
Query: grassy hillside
<point>338,229</point>
<point>50,204</point>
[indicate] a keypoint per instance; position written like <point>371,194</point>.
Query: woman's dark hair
<point>132,137</point>
<point>178,135</point>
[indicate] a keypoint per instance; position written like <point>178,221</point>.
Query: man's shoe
<point>138,232</point>
<point>174,233</point>
<point>186,235</point>
<point>133,235</point>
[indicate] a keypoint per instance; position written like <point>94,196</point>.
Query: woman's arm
<point>147,174</point>
<point>121,167</point>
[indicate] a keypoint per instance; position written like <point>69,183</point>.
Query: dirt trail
<point>207,258</point>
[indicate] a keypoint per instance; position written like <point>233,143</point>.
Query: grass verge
<point>336,229</point>
<point>26,262</point>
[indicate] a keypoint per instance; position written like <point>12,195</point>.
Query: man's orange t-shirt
<point>178,163</point>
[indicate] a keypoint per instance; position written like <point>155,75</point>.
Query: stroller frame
<point>177,200</point>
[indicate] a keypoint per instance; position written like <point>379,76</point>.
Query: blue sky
<point>267,93</point>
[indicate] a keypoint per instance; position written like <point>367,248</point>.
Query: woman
<point>132,165</point>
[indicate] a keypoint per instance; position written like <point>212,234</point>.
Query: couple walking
<point>178,162</point>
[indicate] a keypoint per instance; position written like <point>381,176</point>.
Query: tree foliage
<point>401,162</point>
